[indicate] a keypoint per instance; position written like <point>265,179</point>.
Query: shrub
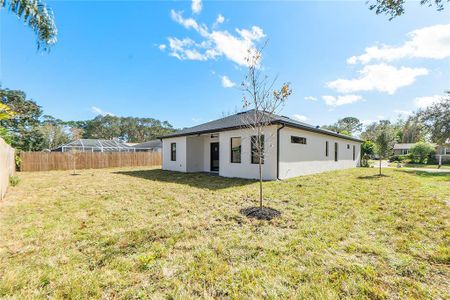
<point>14,180</point>
<point>18,161</point>
<point>368,148</point>
<point>420,152</point>
<point>365,161</point>
<point>432,160</point>
<point>4,134</point>
<point>367,151</point>
<point>399,158</point>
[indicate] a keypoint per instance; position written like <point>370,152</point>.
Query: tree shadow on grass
<point>197,180</point>
<point>428,174</point>
<point>375,176</point>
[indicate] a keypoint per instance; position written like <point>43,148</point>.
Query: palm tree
<point>40,18</point>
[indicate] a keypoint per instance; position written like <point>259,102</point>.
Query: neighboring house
<point>94,145</point>
<point>402,149</point>
<point>153,145</point>
<point>442,152</point>
<point>292,149</point>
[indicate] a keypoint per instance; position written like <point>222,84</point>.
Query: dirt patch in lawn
<point>265,213</point>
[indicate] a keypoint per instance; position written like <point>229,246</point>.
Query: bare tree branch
<point>264,101</point>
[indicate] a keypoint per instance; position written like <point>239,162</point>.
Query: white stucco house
<point>291,149</point>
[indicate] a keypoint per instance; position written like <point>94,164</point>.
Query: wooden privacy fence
<point>47,161</point>
<point>7,166</point>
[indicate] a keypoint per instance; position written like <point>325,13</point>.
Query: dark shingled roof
<point>237,121</point>
<point>148,145</point>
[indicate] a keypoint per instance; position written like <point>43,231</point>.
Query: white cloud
<point>162,47</point>
<point>98,111</point>
<point>220,19</point>
<point>196,6</point>
<point>382,78</point>
<point>300,118</point>
<point>255,34</point>
<point>341,100</point>
<point>429,42</point>
<point>188,23</point>
<point>235,48</point>
<point>187,49</point>
<point>402,112</point>
<point>226,82</point>
<point>310,98</point>
<point>424,102</point>
<point>215,43</point>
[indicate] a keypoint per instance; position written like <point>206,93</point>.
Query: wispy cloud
<point>382,78</point>
<point>370,121</point>
<point>98,111</point>
<point>428,42</point>
<point>187,49</point>
<point>300,118</point>
<point>403,112</point>
<point>188,23</point>
<point>341,100</point>
<point>226,82</point>
<point>196,6</point>
<point>310,98</point>
<point>214,43</point>
<point>219,20</point>
<point>424,102</point>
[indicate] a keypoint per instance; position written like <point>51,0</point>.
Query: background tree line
<point>430,125</point>
<point>29,129</point>
<point>411,130</point>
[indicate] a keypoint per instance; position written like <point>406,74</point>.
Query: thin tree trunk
<point>380,166</point>
<point>260,185</point>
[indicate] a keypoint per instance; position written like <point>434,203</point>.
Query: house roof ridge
<point>235,121</point>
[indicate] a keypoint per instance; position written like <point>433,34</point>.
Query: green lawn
<point>153,234</point>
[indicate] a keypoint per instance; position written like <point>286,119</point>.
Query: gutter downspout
<point>278,150</point>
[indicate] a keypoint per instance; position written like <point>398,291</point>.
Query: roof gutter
<point>278,149</point>
<point>320,131</point>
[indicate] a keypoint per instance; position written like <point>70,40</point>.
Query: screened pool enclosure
<point>93,145</point>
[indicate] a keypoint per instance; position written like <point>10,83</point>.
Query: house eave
<point>321,131</point>
<point>276,122</point>
<point>199,132</point>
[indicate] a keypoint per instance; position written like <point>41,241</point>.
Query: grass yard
<point>153,234</point>
<point>425,166</point>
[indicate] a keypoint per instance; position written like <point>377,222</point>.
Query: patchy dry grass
<point>154,234</point>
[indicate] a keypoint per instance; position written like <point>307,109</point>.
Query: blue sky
<point>168,59</point>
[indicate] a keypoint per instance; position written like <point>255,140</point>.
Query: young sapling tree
<point>264,101</point>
